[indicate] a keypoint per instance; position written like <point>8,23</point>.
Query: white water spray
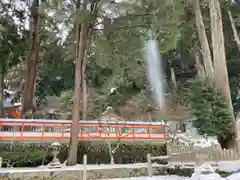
<point>155,72</point>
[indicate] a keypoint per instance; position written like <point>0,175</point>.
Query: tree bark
<point>77,106</point>
<point>219,58</point>
<point>28,101</point>
<point>111,159</point>
<point>83,34</point>
<point>206,53</point>
<point>200,68</point>
<point>111,153</point>
<point>173,77</point>
<point>85,99</point>
<point>84,67</point>
<point>219,55</point>
<point>1,89</point>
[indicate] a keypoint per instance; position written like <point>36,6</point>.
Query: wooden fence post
<point>85,167</point>
<point>149,164</point>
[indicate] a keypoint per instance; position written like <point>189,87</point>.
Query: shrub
<point>31,156</point>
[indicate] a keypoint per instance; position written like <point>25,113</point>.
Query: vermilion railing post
<point>1,127</point>
<point>149,132</point>
<point>117,134</point>
<point>81,129</point>
<point>99,130</point>
<point>42,130</point>
<point>62,130</point>
<point>133,132</point>
<point>22,127</point>
<point>167,131</point>
<point>164,130</point>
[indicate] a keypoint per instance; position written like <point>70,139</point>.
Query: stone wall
<point>75,174</point>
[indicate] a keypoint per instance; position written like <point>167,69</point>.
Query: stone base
<point>205,172</point>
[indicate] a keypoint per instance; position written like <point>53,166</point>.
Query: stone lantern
<point>203,171</point>
<point>201,149</point>
<point>55,148</point>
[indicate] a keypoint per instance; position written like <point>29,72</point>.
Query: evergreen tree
<point>213,117</point>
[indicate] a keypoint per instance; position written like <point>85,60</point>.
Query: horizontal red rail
<point>91,131</point>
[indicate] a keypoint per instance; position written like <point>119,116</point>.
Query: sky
<point>64,30</point>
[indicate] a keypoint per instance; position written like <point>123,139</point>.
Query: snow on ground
<point>154,178</point>
<point>79,167</point>
<point>203,177</point>
<point>227,166</point>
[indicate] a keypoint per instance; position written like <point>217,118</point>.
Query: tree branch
<point>117,146</point>
<point>122,27</point>
<point>234,29</point>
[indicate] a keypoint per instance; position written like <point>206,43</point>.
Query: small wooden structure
<point>12,111</point>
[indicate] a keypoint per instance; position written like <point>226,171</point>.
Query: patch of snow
<point>153,178</point>
<point>201,177</point>
<point>229,166</point>
<point>226,166</point>
<point>235,176</point>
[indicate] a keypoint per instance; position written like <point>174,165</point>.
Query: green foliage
<point>67,97</point>
<point>116,57</point>
<point>12,45</point>
<point>56,75</point>
<point>22,156</point>
<point>213,117</point>
<point>126,153</point>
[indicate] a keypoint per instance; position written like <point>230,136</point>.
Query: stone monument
<point>203,171</point>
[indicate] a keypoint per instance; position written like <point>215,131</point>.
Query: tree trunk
<point>80,94</point>
<point>112,158</point>
<point>1,89</point>
<point>173,78</point>
<point>206,53</point>
<point>234,29</point>
<point>77,106</point>
<point>31,61</point>
<point>200,68</point>
<point>83,34</point>
<point>85,94</point>
<point>110,151</point>
<point>84,67</point>
<point>219,57</point>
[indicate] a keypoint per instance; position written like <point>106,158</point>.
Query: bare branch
<point>115,149</point>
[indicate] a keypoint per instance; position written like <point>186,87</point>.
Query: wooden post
<point>149,163</point>
<point>85,167</point>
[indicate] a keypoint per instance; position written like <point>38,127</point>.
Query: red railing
<point>88,130</point>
